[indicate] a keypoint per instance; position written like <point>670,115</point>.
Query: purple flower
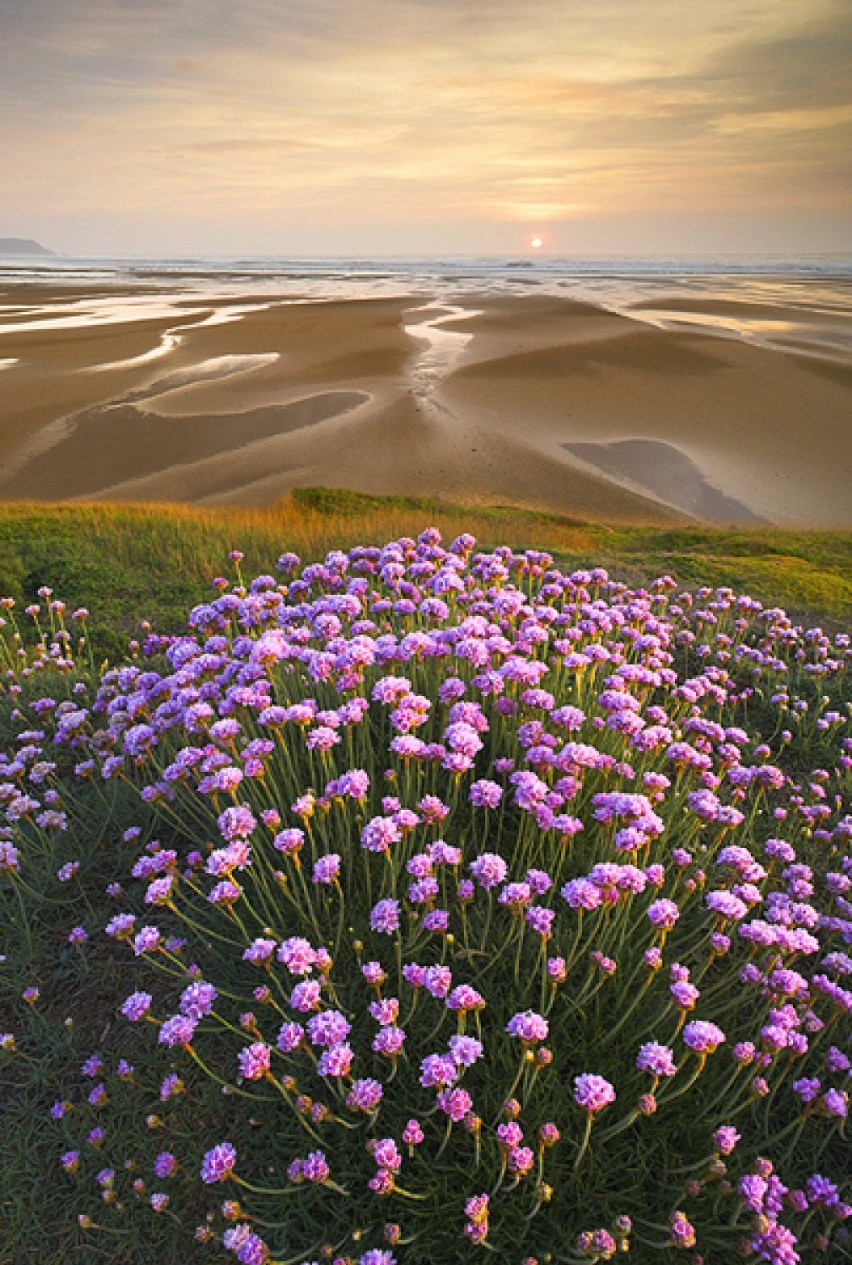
<point>306,996</point>
<point>386,1154</point>
<point>177,1031</point>
<point>682,1232</point>
<point>120,926</point>
<point>159,891</point>
<point>298,955</point>
<point>165,1164</point>
<point>9,857</point>
<point>146,940</point>
<point>528,1026</point>
<point>373,973</point>
<point>685,994</point>
<point>224,893</point>
<point>385,1010</point>
<point>439,1071</point>
<point>463,998</point>
<point>290,1037</point>
<point>485,794</point>
<point>315,1168</point>
<point>379,834</point>
<point>365,1095</point>
<point>663,914</point>
<point>521,1160</point>
<point>656,1059</point>
<point>327,868</point>
<point>236,823</point>
<point>510,1134</point>
<point>540,920</point>
<point>412,1134</point>
<point>581,894</point>
<point>463,739</point>
<point>455,1103</point>
<point>335,1061</point>
<point>196,1001</point>
<point>388,1041</point>
<point>136,1006</point>
<point>437,921</point>
<point>488,869</point>
<point>259,951</point>
<point>254,1061</point>
<point>171,1085</point>
<point>328,1028</point>
<point>93,1066</point>
<point>725,1139</point>
<point>836,1103</point>
<point>592,1092</point>
<point>727,905</point>
<point>290,841</point>
<point>384,916</point>
<point>323,738</point>
<point>703,1037</point>
<point>821,1191</point>
<point>218,1163</point>
<point>465,1050</point>
<point>515,895</point>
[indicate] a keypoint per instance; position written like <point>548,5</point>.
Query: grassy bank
<point>154,562</point>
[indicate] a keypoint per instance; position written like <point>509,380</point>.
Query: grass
<point>127,562</point>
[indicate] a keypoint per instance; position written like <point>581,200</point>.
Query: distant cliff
<point>22,248</point>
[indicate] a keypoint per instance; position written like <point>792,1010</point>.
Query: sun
<point>536,243</point>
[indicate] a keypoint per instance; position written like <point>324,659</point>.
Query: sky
<point>400,127</point>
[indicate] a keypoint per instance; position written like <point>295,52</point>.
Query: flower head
<point>592,1092</point>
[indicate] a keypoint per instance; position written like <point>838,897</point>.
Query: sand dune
<point>534,400</point>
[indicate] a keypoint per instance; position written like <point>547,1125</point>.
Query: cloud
<point>808,67</point>
<point>336,112</point>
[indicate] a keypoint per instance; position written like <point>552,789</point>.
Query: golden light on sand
<point>536,243</point>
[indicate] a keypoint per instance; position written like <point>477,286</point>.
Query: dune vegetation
<point>426,901</point>
<point>130,563</point>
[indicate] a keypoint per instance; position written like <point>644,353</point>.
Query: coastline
<point>164,393</point>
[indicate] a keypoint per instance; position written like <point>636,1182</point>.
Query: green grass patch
<point>129,563</point>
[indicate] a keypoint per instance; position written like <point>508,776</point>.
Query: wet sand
<point>159,395</point>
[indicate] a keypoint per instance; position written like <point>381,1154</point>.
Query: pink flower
<point>656,1059</point>
<point>384,916</point>
<point>592,1092</point>
<point>254,1061</point>
<point>528,1026</point>
<point>521,1160</point>
<point>703,1037</point>
<point>218,1163</point>
<point>412,1134</point>
<point>663,914</point>
<point>725,1139</point>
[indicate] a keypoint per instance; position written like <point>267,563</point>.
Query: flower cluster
<point>450,867</point>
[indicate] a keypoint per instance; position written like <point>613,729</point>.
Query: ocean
<point>811,294</point>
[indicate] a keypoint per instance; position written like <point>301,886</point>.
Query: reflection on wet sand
<point>664,471</point>
<point>540,399</point>
<point>106,449</point>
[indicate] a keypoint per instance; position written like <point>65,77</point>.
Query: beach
<point>672,409</point>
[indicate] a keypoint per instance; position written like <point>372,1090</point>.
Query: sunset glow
<point>417,126</point>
